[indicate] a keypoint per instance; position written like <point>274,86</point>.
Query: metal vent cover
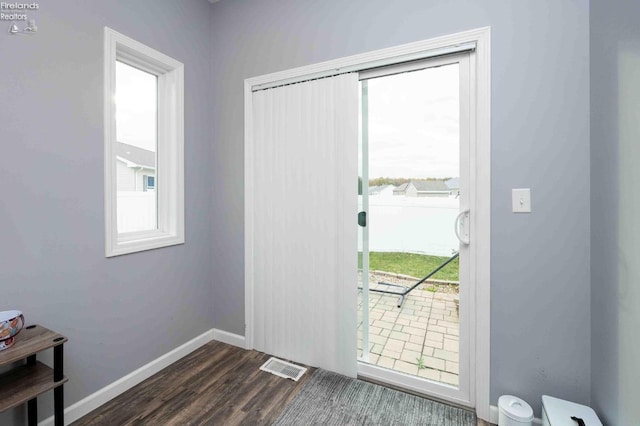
<point>283,369</point>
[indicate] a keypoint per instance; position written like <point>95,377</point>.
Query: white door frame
<point>463,393</point>
<point>480,223</point>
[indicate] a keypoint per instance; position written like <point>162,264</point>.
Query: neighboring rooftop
<point>136,155</point>
<point>453,183</point>
<point>430,186</point>
<point>401,188</point>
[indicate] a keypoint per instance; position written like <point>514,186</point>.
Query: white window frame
<point>170,146</point>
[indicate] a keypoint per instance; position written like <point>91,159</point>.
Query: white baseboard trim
<point>229,338</point>
<point>495,414</point>
<point>104,395</point>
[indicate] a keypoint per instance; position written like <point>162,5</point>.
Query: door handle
<point>456,227</point>
<point>362,219</point>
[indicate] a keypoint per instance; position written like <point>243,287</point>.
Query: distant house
<point>453,183</point>
<point>427,188</point>
<point>401,189</point>
<point>136,168</point>
<point>454,186</point>
<point>381,190</point>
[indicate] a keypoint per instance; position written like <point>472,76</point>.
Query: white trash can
<point>514,411</point>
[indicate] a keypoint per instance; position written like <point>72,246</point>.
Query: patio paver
<point>420,338</point>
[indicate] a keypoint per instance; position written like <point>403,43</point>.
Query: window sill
<point>154,241</point>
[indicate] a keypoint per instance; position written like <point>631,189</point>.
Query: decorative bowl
<point>11,322</point>
<point>6,344</point>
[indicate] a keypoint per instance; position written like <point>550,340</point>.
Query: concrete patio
<point>420,338</point>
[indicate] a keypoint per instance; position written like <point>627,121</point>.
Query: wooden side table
<point>24,383</point>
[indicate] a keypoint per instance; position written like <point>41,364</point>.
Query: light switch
<point>521,200</point>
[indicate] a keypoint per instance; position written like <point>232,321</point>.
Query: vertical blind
<point>305,208</point>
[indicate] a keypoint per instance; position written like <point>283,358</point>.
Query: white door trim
<point>480,221</point>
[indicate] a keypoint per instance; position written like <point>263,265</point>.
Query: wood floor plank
<point>216,384</point>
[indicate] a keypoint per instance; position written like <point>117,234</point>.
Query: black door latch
<point>362,219</point>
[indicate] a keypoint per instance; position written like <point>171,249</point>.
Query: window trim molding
<point>170,157</point>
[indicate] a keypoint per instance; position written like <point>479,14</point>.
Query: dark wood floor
<point>217,384</point>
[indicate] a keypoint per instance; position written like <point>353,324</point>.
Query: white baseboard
<point>104,395</point>
<point>495,414</point>
<point>229,338</point>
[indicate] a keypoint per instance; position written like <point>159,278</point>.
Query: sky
<point>413,120</point>
<point>136,106</point>
<point>414,124</point>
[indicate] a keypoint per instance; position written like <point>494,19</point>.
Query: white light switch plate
<point>521,200</point>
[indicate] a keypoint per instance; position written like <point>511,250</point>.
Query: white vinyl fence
<point>421,225</point>
<point>137,211</point>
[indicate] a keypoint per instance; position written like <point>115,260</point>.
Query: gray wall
<point>615,209</point>
<point>118,313</point>
<point>123,312</point>
<point>540,289</point>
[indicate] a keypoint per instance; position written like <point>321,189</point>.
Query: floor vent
<point>283,369</point>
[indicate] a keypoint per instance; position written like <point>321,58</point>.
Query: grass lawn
<point>416,265</point>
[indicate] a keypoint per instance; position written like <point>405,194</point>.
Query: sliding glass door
<point>414,195</point>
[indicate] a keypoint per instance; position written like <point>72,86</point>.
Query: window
<point>149,183</point>
<point>144,139</point>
